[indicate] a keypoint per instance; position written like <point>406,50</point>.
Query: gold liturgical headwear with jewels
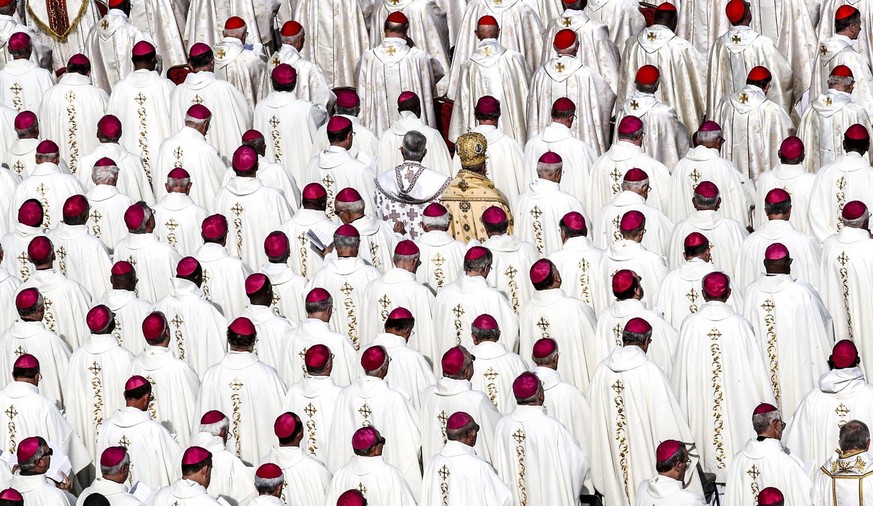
<point>471,149</point>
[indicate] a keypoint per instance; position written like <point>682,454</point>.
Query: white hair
<point>634,185</point>
<point>545,170</point>
<point>857,222</point>
<point>356,207</point>
<point>215,428</point>
<point>268,485</point>
<point>708,136</point>
<point>437,222</point>
<point>110,470</point>
<point>194,122</point>
<point>104,174</point>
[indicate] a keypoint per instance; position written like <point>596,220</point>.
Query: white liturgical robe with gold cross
<point>346,279</point>
<point>313,399</point>
<point>762,464</point>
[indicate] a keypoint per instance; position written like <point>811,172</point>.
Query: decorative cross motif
<point>618,387</point>
<point>828,101</point>
<point>459,311</point>
<point>347,289</point>
<point>519,436</point>
<point>197,100</point>
<point>237,209</point>
<point>328,181</point>
<point>822,50</point>
<point>236,384</point>
<point>651,36</point>
<point>443,417</point>
<point>18,167</point>
<point>543,324</point>
<point>744,98</point>
<point>615,174</point>
<point>220,52</point>
<point>310,410</point>
<point>491,374</point>
<point>385,301</point>
<point>566,22</point>
<point>11,412</point>
<point>753,472</point>
<point>362,489</point>
<point>177,321</point>
<point>695,176</point>
<point>124,441</point>
<point>365,412</point>
<point>95,369</point>
<point>274,122</point>
<point>486,51</point>
<point>438,260</point>
<point>692,295</point>
<point>390,50</point>
<point>714,333</point>
<point>536,213</point>
<point>560,67</point>
<point>444,473</point>
<point>736,39</point>
<point>768,305</point>
<point>843,258</point>
<point>140,99</point>
<point>104,24</point>
<point>842,410</point>
<point>41,189</point>
<point>16,88</point>
<point>634,105</point>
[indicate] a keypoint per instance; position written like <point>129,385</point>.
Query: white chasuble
<point>447,397</point>
<point>155,263</point>
<point>289,124</point>
<point>109,45</point>
<point>843,478</point>
<point>289,292</point>
<point>129,311</point>
<point>306,478</point>
<point>458,475</point>
<point>338,37</point>
<point>82,257</point>
<point>52,187</point>
<point>681,292</point>
<point>134,177</point>
<point>437,157</point>
<point>250,393</point>
<point>177,222</point>
<point>726,237</point>
<point>610,327</point>
<point>627,254</point>
<point>666,138</point>
<point>762,464</point>
<point>23,84</point>
<point>384,484</point>
<point>311,84</point>
<point>242,67</point>
<point>608,172</point>
<point>106,217</point>
<point>188,149</point>
<point>365,145</point>
<point>493,374</point>
<point>304,258</point>
<point>568,405</point>
<point>823,124</point>
<point>608,222</point>
<point>621,17</point>
<point>539,213</point>
<point>53,353</point>
<point>442,259</point>
<point>705,164</point>
<point>409,374</point>
<point>313,399</point>
<point>346,279</point>
<point>310,332</point>
<point>224,279</point>
<point>164,21</point>
<point>231,479</point>
<point>835,184</point>
<point>274,332</point>
<point>596,48</point>
<point>578,261</point>
<point>804,250</point>
<point>335,169</point>
<point>577,155</point>
<point>66,304</point>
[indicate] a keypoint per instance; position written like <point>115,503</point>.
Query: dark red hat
<point>28,447</point>
<point>776,251</point>
<point>666,7</point>
<point>78,59</point>
<point>373,358</point>
<point>255,282</point>
<point>210,417</point>
<point>791,148</point>
<point>269,471</point>
<point>565,39</point>
<point>630,125</point>
<point>487,105</point>
<point>735,10</point>
<point>134,216</point>
<point>667,449</point>
<point>284,74</point>
<point>475,253</point>
<point>485,322</point>
<point>338,124</point>
<point>759,73</point>
<point>99,318</point>
<point>47,147</point>
<point>234,23</point>
<point>18,41</point>
<point>406,248</point>
<point>540,270</point>
<point>291,28</point>
<point>550,157</point>
<point>285,425</point>
<point>458,420</point>
<point>622,280</point>
<point>854,210</point>
<point>574,221</point>
<point>27,298</point>
<point>845,354</point>
<point>242,326</point>
<point>24,120</point>
<point>109,126</point>
<point>121,267</point>
<point>709,126</point>
<point>10,494</point>
<point>636,175</point>
<point>494,216</point>
<point>245,159</point>
<point>135,382</point>
<point>771,496</point>
<point>716,284</point>
<point>316,356</point>
<point>435,210</point>
<point>487,21</point>
<point>112,456</point>
<point>142,48</point>
<point>638,326</point>
<point>39,248</point>
<point>195,455</point>
<point>199,112</point>
<point>347,231</point>
<point>544,347</point>
<point>314,191</point>
<point>199,49</point>
<point>844,12</point>
<point>352,497</point>
<point>764,407</point>
<point>347,99</point>
<point>187,266</point>
<point>317,295</point>
<point>26,361</point>
<point>214,227</point>
<point>364,438</point>
<point>648,74</point>
<point>398,17</point>
<point>276,244</point>
<point>706,189</point>
<point>30,213</point>
<point>348,195</point>
<point>695,239</point>
<point>453,361</point>
<point>153,326</point>
<point>526,385</point>
<point>407,96</point>
<point>400,313</point>
<point>564,104</point>
<point>632,220</point>
<point>178,173</point>
<point>842,71</point>
<point>857,132</point>
<point>777,196</point>
<point>252,135</point>
<point>105,162</point>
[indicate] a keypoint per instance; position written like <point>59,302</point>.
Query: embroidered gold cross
<point>384,301</point>
<point>310,410</point>
<point>651,36</point>
<point>618,387</point>
<point>220,52</point>
<point>735,39</point>
<point>753,472</point>
<point>197,100</point>
<point>566,22</point>
<point>95,369</point>
<point>536,213</point>
<point>615,175</point>
<point>20,351</point>
<point>560,67</point>
<point>365,412</point>
<point>744,98</point>
<point>236,384</point>
<point>11,412</point>
<point>124,441</point>
<point>459,311</point>
<point>828,101</point>
<point>843,258</point>
<point>519,436</point>
<point>390,50</point>
<point>274,122</point>
<point>104,24</point>
<point>842,410</point>
<point>347,289</point>
<point>444,473</point>
<point>543,324</point>
<point>822,50</point>
<point>490,374</point>
<point>634,105</point>
<point>18,167</point>
<point>486,51</point>
<point>140,99</point>
<point>695,176</point>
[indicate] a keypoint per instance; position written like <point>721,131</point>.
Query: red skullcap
<point>39,248</point>
<point>565,39</point>
<point>845,354</point>
<point>406,95</point>
<point>199,112</point>
<point>771,496</point>
<point>255,282</point>
<point>791,148</point>
<point>347,231</point>
<point>242,326</point>
<point>485,322</point>
<point>373,358</point>
<point>178,173</point>
<point>632,220</point>
<point>134,216</point>
<point>121,268</point>
<point>776,196</point>
<point>636,175</point>
<point>622,280</point>
<point>398,17</point>
<point>857,132</point>
<point>316,356</point>
<point>347,99</point>
<point>695,239</point>
<point>252,135</point>
<point>109,126</point>
<point>435,210</point>
<point>314,191</point>
<point>400,313</point>
<point>630,125</point>
<point>759,73</point>
<point>666,7</point>
<point>776,251</point>
<point>28,448</point>
<point>348,195</point>
<point>105,162</point>
<point>406,248</point>
<point>47,147</point>
<point>574,221</point>
<point>544,347</point>
<point>764,408</point>
<point>269,472</point>
<point>30,213</point>
<point>26,361</point>
<point>24,120</point>
<point>142,48</point>
<point>563,104</point>
<point>112,456</point>
<point>284,74</point>
<point>735,11</point>
<point>291,28</point>
<point>453,361</point>
<point>540,270</point>
<point>98,318</point>
<point>135,382</point>
<point>75,206</point>
<point>245,159</point>
<point>364,438</point>
<point>338,124</point>
<point>709,126</point>
<point>526,385</point>
<point>187,266</point>
<point>475,253</point>
<point>487,21</point>
<point>352,497</point>
<point>842,71</point>
<point>550,157</point>
<point>78,59</point>
<point>285,425</point>
<point>706,189</point>
<point>648,74</point>
<point>494,216</point>
<point>195,455</point>
<point>487,105</point>
<point>317,295</point>
<point>234,23</point>
<point>716,284</point>
<point>667,449</point>
<point>276,244</point>
<point>178,73</point>
<point>214,227</point>
<point>854,210</point>
<point>27,298</point>
<point>10,494</point>
<point>153,326</point>
<point>199,49</point>
<point>638,326</point>
<point>458,420</point>
<point>211,417</point>
<point>19,41</point>
<point>845,11</point>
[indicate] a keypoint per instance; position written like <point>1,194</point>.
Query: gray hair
<point>405,258</point>
<point>855,435</point>
<point>708,136</point>
<point>705,203</point>
<point>194,122</point>
<point>840,80</point>
<point>634,186</point>
<point>414,145</point>
<point>215,428</point>
<point>292,39</point>
<point>437,222</point>
<point>105,174</point>
<point>548,358</point>
<point>110,470</point>
<point>545,170</point>
<point>342,241</point>
<point>857,222</point>
<point>356,207</point>
<point>181,181</point>
<point>30,464</point>
<point>236,32</point>
<point>268,486</point>
<point>764,420</point>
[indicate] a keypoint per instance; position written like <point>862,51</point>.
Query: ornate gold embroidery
<point>538,229</point>
<point>621,433</point>
<point>62,259</point>
<point>207,277</point>
<point>153,412</point>
<point>717,397</point>
<point>303,242</point>
<point>365,412</point>
<point>754,473</point>
<point>172,225</point>
<point>692,296</point>
<point>520,437</point>
<point>772,351</point>
<point>615,175</point>
<point>510,273</point>
<point>374,255</point>
<point>584,281</point>
<point>616,333</point>
<point>17,102</point>
<point>841,200</point>
<point>438,274</point>
<point>18,167</point>
<point>24,268</point>
<point>459,312</point>
<point>444,474</point>
<point>311,429</point>
<point>142,136</point>
<point>177,322</point>
<point>843,412</point>
<point>237,210</point>
<point>328,182</point>
<point>46,209</point>
<point>236,401</point>
<point>11,413</point>
<point>384,303</point>
<point>95,218</point>
<point>49,317</point>
<point>544,325</point>
<point>178,153</point>
<point>97,389</point>
<point>491,386</point>
<point>443,418</point>
<point>351,314</point>
<point>843,259</point>
<point>72,131</point>
<point>277,139</point>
